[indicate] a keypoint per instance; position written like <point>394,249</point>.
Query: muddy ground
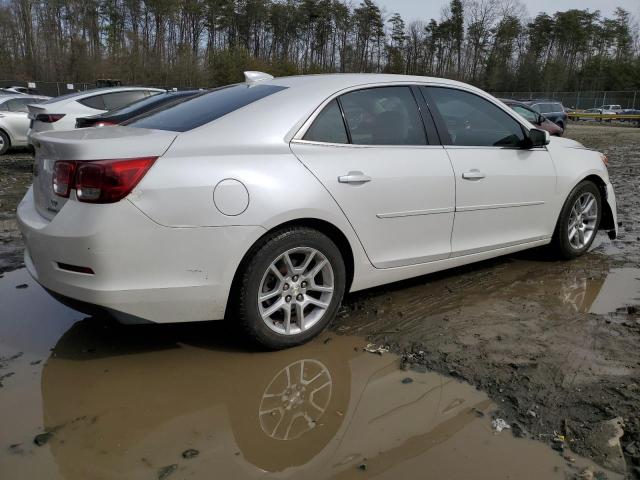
<point>554,344</point>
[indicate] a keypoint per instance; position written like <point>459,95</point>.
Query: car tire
<point>578,221</point>
<point>5,142</point>
<point>281,267</point>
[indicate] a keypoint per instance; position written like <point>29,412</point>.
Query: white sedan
<point>265,202</point>
<point>14,122</point>
<point>60,113</point>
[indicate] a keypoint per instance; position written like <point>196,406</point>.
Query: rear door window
<point>383,116</point>
<point>19,104</point>
<point>200,110</point>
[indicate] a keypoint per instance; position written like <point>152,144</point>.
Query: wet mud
<point>550,349</point>
<point>108,401</point>
<point>555,344</point>
<point>15,176</point>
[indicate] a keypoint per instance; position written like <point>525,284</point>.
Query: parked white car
<point>60,113</point>
<point>14,122</point>
<point>611,108</point>
<point>18,90</point>
<point>265,202</point>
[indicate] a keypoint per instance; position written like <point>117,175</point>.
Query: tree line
<point>490,43</point>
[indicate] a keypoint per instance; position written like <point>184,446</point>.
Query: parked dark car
<point>146,105</point>
<point>551,110</point>
<point>630,111</point>
<point>534,117</point>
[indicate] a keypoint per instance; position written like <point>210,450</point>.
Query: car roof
<point>333,82</point>
<point>96,91</point>
<point>294,105</point>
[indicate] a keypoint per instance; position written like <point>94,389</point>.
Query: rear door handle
<point>354,177</point>
<point>473,175</point>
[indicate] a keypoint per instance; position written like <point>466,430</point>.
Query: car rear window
<point>197,111</point>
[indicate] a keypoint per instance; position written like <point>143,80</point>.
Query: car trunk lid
<point>86,145</point>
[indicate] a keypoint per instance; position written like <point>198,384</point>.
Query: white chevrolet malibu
<point>264,202</point>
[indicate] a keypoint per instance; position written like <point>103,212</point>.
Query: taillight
<point>100,181</point>
<point>49,117</point>
<point>63,175</point>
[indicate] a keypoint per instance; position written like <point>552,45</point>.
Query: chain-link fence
<point>50,89</point>
<point>580,100</point>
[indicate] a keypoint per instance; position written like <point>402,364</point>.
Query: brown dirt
<point>555,344</point>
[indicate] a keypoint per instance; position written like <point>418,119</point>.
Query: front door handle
<point>473,175</point>
<point>354,177</point>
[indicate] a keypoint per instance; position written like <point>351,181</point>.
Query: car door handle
<point>473,175</point>
<point>354,177</point>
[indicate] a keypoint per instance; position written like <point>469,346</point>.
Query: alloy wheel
<point>296,290</point>
<point>582,220</point>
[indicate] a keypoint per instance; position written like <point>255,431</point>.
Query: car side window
<point>328,126</point>
<point>120,99</point>
<point>530,115</point>
<point>96,101</point>
<point>18,105</point>
<point>383,116</point>
<point>471,120</point>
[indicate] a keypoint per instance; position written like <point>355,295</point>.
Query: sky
<point>426,9</point>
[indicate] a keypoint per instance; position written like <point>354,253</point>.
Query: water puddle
<point>184,401</point>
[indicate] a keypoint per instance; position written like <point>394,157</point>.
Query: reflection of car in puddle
<point>295,400</point>
<point>121,407</point>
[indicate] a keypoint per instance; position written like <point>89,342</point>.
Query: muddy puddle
<point>107,401</point>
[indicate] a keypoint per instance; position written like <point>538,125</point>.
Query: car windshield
<point>198,111</point>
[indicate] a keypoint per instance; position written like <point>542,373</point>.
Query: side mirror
<point>538,138</point>
<point>541,120</point>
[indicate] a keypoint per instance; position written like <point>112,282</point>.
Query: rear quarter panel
<point>179,192</point>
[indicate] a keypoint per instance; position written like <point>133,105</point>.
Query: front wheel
<point>290,288</point>
<point>579,221</point>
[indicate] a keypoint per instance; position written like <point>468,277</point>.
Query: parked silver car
<point>14,120</point>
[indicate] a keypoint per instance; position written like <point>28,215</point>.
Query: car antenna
<point>253,78</point>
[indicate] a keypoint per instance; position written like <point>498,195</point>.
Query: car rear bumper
<point>142,271</point>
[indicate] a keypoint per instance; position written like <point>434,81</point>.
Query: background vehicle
<point>119,115</point>
<point>60,113</point>
<point>265,202</point>
<point>14,122</point>
<point>630,111</point>
<point>534,117</point>
<point>551,110</point>
<point>611,108</point>
<point>20,90</point>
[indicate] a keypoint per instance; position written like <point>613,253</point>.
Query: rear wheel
<point>290,288</point>
<point>579,221</point>
<point>5,143</point>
